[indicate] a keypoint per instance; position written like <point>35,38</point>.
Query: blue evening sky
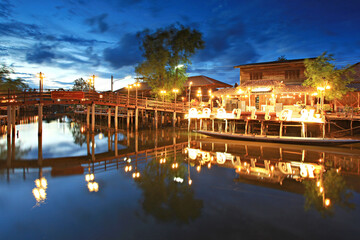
<point>69,39</point>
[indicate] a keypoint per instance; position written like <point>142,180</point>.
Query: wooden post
<point>174,119</point>
<point>40,155</point>
<point>40,116</point>
<point>136,118</point>
<point>9,121</point>
<point>109,117</point>
<point>116,117</point>
<point>8,153</point>
<point>93,117</point>
<point>281,129</point>
<point>109,141</point>
<point>88,118</point>
<point>13,119</point>
<point>302,129</point>
<point>156,119</point>
<point>262,128</point>
<point>93,146</point>
<point>246,126</point>
<point>128,119</point>
<point>88,142</point>
<point>116,144</point>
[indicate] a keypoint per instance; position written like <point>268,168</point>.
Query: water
<point>238,189</point>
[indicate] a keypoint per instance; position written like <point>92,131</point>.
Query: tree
<point>8,83</point>
<point>81,85</point>
<point>165,199</point>
<point>324,76</point>
<point>282,58</point>
<point>335,189</point>
<point>167,54</point>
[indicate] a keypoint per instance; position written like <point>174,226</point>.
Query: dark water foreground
<point>176,186</point>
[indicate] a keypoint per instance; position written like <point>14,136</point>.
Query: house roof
<point>203,81</point>
<point>273,62</point>
<point>197,81</point>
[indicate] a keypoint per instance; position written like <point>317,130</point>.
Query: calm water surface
<point>167,184</point>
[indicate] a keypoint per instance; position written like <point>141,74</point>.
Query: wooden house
<point>274,85</point>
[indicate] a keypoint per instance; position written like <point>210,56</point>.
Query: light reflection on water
<point>164,184</point>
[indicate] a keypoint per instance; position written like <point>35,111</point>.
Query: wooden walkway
<point>28,98</point>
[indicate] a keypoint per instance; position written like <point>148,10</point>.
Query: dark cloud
<point>98,23</point>
<point>125,53</point>
<point>226,42</point>
<point>24,30</point>
<point>40,54</point>
<point>19,29</point>
<point>5,9</point>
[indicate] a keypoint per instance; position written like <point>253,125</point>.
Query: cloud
<point>98,23</point>
<point>40,54</point>
<point>226,42</point>
<point>24,30</point>
<point>5,9</point>
<point>125,53</point>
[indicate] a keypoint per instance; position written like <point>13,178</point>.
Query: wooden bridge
<point>13,99</point>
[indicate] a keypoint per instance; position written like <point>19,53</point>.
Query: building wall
<point>289,73</point>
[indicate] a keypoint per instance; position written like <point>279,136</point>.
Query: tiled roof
<point>272,62</point>
<point>197,81</point>
<point>203,81</point>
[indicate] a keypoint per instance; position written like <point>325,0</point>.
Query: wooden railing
<point>107,98</point>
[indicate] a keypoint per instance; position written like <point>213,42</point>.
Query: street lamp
<point>41,81</point>
<point>322,90</point>
<point>136,85</point>
<point>129,86</point>
<point>190,83</point>
<point>163,92</point>
<point>199,94</point>
<point>175,91</point>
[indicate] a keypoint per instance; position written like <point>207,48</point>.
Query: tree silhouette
<point>335,189</point>
<point>166,199</point>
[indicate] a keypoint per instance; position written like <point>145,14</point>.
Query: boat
<point>282,139</point>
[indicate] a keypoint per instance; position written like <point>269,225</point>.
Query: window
<point>292,74</point>
<point>255,75</point>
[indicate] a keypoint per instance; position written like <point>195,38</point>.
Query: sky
<point>69,39</point>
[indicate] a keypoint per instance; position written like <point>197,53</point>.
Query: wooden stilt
<point>40,117</point>
<point>156,119</point>
<point>9,121</point>
<point>109,117</point>
<point>174,119</point>
<point>281,129</point>
<point>88,117</point>
<point>93,117</point>
<point>136,119</point>
<point>116,117</point>
<point>246,126</point>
